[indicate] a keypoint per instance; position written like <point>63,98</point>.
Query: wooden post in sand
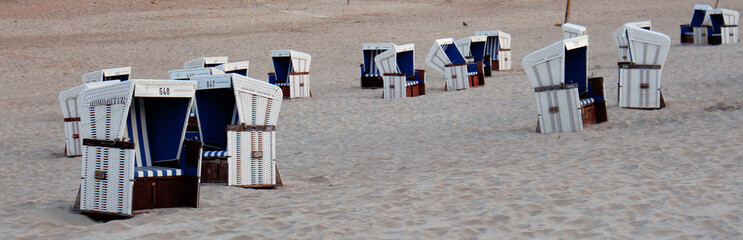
<point>716,2</point>
<point>567,12</point>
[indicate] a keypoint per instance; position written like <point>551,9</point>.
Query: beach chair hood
<point>181,74</point>
<point>647,47</point>
<point>570,30</point>
<point>546,67</point>
<point>240,67</point>
<point>444,52</point>
<point>203,62</point>
<point>398,59</point>
<point>472,47</point>
<point>109,74</point>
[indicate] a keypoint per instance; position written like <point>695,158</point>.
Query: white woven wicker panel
<point>301,61</point>
<point>700,35</point>
<point>299,85</point>
<point>394,86</point>
<point>103,110</point>
<point>567,118</point>
<point>648,47</point>
<point>246,90</point>
<point>570,30</point>
<point>504,60</point>
<point>729,35</point>
<point>620,37</point>
<point>456,77</point>
<point>504,40</point>
<point>114,193</point>
<point>631,92</point>
<point>245,169</point>
<point>544,67</point>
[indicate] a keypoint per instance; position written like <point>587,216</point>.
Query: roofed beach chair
<point>566,98</point>
<point>698,30</point>
<point>134,153</point>
<point>237,118</point>
<point>205,62</point>
<point>473,49</point>
<point>291,73</point>
<point>68,101</point>
<point>370,76</point>
<point>570,30</point>
<point>400,78</point>
<point>642,54</point>
<point>446,58</point>
<point>497,51</point>
<point>647,25</point>
<point>724,26</point>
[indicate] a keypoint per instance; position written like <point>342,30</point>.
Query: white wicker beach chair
<point>642,54</point>
<point>370,75</point>
<point>698,30</point>
<point>497,51</point>
<point>724,26</point>
<point>291,73</point>
<point>473,49</point>
<point>570,30</point>
<point>205,62</point>
<point>566,98</point>
<point>400,78</point>
<point>134,153</point>
<point>237,118</point>
<point>68,101</point>
<point>445,57</point>
<point>185,74</point>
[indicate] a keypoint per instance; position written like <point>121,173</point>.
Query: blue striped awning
<point>215,154</point>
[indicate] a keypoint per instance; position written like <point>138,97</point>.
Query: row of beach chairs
<point>149,143</point>
<point>711,26</point>
<point>464,63</point>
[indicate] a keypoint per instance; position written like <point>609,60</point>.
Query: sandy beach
<point>446,165</point>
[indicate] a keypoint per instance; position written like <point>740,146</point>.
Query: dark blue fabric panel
<point>243,72</point>
<point>698,17</point>
<point>119,77</point>
<point>166,124</point>
<point>472,67</point>
<point>686,29</point>
<point>453,53</point>
<point>478,50</point>
<point>405,62</point>
<point>282,66</point>
<point>717,22</point>
<point>215,108</point>
<point>575,68</point>
<point>182,164</point>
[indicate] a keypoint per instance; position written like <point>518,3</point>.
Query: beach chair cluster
<point>464,63</point>
<point>711,26</point>
<point>149,143</point>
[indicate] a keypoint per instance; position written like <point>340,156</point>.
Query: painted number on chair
<point>164,91</point>
<point>211,84</point>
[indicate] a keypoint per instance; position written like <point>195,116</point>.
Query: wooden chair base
<point>372,82</point>
<point>214,170</point>
<point>165,192</point>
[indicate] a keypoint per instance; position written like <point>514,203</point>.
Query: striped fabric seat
<point>215,154</point>
<point>155,171</point>
<point>716,34</point>
<point>689,33</point>
<point>586,101</point>
<point>472,73</point>
<point>372,75</point>
<point>281,84</point>
<point>410,83</point>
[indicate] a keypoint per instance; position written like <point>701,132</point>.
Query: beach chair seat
<point>399,77</point>
<point>156,171</point>
<point>566,98</point>
<point>68,102</point>
<point>446,58</point>
<point>291,73</point>
<point>135,156</point>
<point>697,31</point>
<point>724,28</point>
<point>371,78</point>
<point>497,51</point>
<point>238,115</point>
<point>642,55</point>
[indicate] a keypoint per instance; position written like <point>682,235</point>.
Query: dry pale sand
<point>449,165</point>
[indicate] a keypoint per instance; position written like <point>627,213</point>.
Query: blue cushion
<point>215,154</point>
<point>155,171</point>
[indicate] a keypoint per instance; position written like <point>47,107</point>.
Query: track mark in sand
<point>304,13</point>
